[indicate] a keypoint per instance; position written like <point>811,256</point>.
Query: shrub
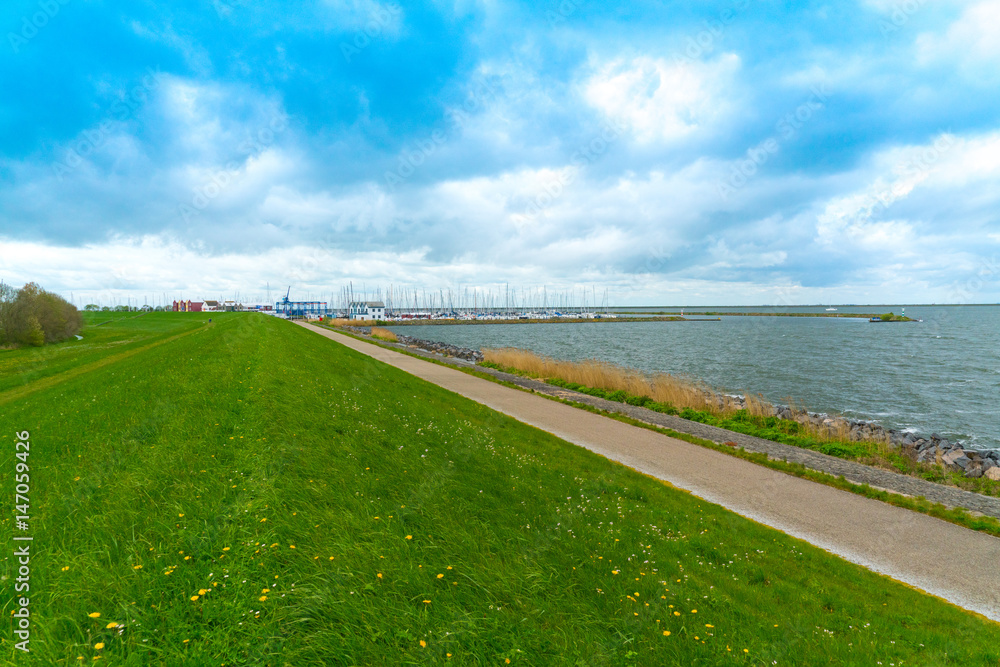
<point>32,316</point>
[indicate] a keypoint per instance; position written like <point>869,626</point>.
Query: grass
<point>103,336</point>
<point>667,394</point>
<point>384,334</point>
<point>251,493</point>
<point>957,515</point>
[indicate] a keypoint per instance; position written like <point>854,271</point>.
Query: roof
<point>370,304</point>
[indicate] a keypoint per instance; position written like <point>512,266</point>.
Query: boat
<point>831,310</point>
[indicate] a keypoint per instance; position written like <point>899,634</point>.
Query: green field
<point>246,492</point>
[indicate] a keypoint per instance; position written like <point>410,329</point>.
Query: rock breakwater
<point>932,449</point>
<point>444,349</point>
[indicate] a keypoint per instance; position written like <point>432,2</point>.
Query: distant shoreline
<point>549,320</point>
<point>715,313</point>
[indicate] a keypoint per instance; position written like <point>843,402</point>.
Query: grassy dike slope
<point>251,493</point>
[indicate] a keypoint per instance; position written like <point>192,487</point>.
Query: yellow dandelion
<point>614,571</point>
<point>225,548</point>
<point>506,661</point>
<point>99,645</point>
<point>666,633</point>
<point>423,644</point>
<point>65,568</point>
<point>746,650</point>
<point>266,590</point>
<point>427,601</point>
<point>677,613</point>
<point>134,567</point>
<point>95,614</point>
<point>181,515</point>
<point>263,520</point>
<point>708,625</point>
<point>186,641</point>
<point>409,537</point>
<point>449,567</point>
<point>187,557</point>
<point>291,546</point>
<point>331,557</point>
<point>379,575</point>
<point>440,576</point>
<point>696,636</point>
<point>262,598</point>
<point>110,625</point>
<point>202,591</point>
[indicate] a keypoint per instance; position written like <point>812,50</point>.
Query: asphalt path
<point>940,558</point>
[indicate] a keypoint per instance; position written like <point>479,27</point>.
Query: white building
<point>366,311</point>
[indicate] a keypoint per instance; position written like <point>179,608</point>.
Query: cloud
<point>971,40</point>
<point>663,101</point>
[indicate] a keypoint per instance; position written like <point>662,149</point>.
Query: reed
<point>384,334</point>
<point>660,387</point>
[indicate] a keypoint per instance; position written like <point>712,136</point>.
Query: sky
<point>707,153</point>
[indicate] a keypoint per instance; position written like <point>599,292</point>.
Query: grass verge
<point>666,394</point>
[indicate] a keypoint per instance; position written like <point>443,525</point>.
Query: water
<point>940,376</point>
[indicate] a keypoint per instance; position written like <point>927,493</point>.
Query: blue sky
<point>710,153</point>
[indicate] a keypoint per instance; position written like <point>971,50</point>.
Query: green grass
<point>205,459</point>
<point>102,337</point>
<point>789,432</point>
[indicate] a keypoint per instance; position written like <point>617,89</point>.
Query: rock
<point>956,457</point>
<point>974,470</point>
<point>944,444</point>
<point>993,473</point>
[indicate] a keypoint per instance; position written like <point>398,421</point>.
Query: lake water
<point>940,376</point>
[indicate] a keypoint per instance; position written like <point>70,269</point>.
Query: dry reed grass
<point>660,387</point>
<point>384,334</point>
<point>340,322</point>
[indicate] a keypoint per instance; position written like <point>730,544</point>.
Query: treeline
<point>32,316</point>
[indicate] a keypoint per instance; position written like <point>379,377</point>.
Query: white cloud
<point>971,40</point>
<point>660,100</point>
<point>963,171</point>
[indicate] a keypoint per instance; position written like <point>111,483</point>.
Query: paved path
<point>946,560</point>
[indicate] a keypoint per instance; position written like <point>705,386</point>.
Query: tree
<point>34,335</point>
<point>91,307</point>
<point>32,316</point>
